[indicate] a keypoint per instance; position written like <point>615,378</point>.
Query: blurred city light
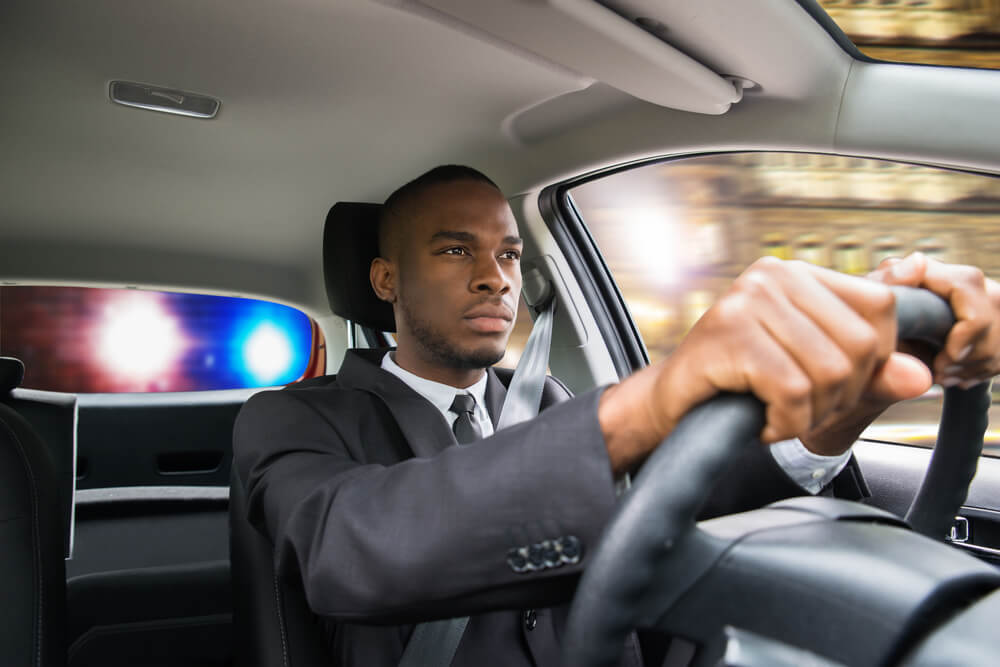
<point>651,237</point>
<point>932,32</point>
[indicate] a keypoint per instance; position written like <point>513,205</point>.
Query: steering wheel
<point>652,551</point>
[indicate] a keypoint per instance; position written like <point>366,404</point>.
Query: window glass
<point>84,340</point>
<point>676,234</point>
<point>518,337</point>
<point>963,33</point>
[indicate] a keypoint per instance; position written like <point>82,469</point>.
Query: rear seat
<point>37,436</point>
<point>149,581</point>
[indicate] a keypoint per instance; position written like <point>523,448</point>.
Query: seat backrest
<point>350,243</point>
<point>32,539</point>
<point>272,623</point>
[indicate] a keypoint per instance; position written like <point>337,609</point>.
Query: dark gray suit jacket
<point>355,479</point>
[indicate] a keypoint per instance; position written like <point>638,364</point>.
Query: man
<point>359,481</point>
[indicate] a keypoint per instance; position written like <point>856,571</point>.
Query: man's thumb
<point>901,377</point>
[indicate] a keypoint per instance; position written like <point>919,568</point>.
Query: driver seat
<point>271,618</point>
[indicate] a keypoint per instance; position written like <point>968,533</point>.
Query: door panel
<point>149,583</point>
<point>156,439</point>
<point>894,473</point>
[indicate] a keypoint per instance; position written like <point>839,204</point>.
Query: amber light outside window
<point>676,234</point>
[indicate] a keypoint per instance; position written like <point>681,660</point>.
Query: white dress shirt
<point>810,471</point>
<point>441,395</point>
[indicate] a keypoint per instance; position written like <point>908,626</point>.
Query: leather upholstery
<point>350,243</point>
<point>32,565</point>
<point>272,622</point>
<point>11,374</point>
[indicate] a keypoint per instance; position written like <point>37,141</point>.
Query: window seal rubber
<point>615,324</point>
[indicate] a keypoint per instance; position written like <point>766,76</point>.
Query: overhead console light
<point>166,100</point>
<point>598,43</point>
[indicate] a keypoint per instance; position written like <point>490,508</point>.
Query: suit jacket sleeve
<point>425,537</point>
<point>429,537</point>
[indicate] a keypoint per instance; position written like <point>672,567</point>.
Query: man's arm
<point>431,536</point>
<point>818,348</point>
<point>424,537</point>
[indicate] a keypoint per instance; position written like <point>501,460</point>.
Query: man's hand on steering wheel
<point>971,354</point>
<point>816,346</point>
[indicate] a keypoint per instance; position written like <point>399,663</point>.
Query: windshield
<point>964,33</point>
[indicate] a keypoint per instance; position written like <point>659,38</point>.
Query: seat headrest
<point>350,243</point>
<point>11,374</point>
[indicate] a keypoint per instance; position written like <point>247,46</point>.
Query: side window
<point>89,340</point>
<point>676,234</point>
<point>518,337</point>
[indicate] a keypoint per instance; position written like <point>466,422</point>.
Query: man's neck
<point>460,378</point>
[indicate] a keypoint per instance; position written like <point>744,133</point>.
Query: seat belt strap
<point>524,395</point>
<point>434,644</point>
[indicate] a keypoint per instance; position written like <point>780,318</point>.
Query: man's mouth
<point>489,319</point>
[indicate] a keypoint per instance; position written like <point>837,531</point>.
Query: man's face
<point>459,276</point>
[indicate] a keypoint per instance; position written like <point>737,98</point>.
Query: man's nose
<point>490,277</point>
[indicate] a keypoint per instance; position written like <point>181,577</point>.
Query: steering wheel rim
<point>653,530</point>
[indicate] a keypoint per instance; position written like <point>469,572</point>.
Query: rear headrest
<point>350,243</point>
<point>11,374</point>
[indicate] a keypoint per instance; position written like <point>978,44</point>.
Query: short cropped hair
<point>398,208</point>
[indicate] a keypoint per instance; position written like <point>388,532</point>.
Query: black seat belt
<point>433,644</point>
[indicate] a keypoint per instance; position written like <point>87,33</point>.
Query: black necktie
<point>465,427</point>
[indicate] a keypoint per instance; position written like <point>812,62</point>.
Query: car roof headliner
<point>328,101</point>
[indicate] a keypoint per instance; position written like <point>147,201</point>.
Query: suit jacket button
<point>536,556</point>
<point>530,620</point>
<point>570,549</point>
<point>517,560</point>
<point>551,554</point>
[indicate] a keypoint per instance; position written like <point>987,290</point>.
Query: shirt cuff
<point>810,471</point>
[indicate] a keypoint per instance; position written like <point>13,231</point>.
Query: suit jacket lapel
<point>496,393</point>
<point>424,428</point>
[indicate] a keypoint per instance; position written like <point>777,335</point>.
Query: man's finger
<point>977,370</point>
<point>827,367</point>
<point>871,300</point>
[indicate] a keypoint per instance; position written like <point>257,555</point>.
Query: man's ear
<point>383,278</point>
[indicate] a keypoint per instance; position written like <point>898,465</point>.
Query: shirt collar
<point>439,394</point>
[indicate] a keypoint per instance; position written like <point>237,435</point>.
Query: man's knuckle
<point>734,306</point>
<point>835,370</point>
<point>864,342</point>
<point>973,276</point>
<point>768,263</point>
<point>883,300</point>
<point>753,282</point>
<point>796,391</point>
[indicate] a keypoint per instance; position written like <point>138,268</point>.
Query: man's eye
<point>512,255</point>
<point>455,251</point>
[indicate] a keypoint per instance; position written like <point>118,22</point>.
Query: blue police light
<point>267,353</point>
<point>274,345</point>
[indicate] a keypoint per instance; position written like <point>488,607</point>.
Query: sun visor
<point>594,41</point>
